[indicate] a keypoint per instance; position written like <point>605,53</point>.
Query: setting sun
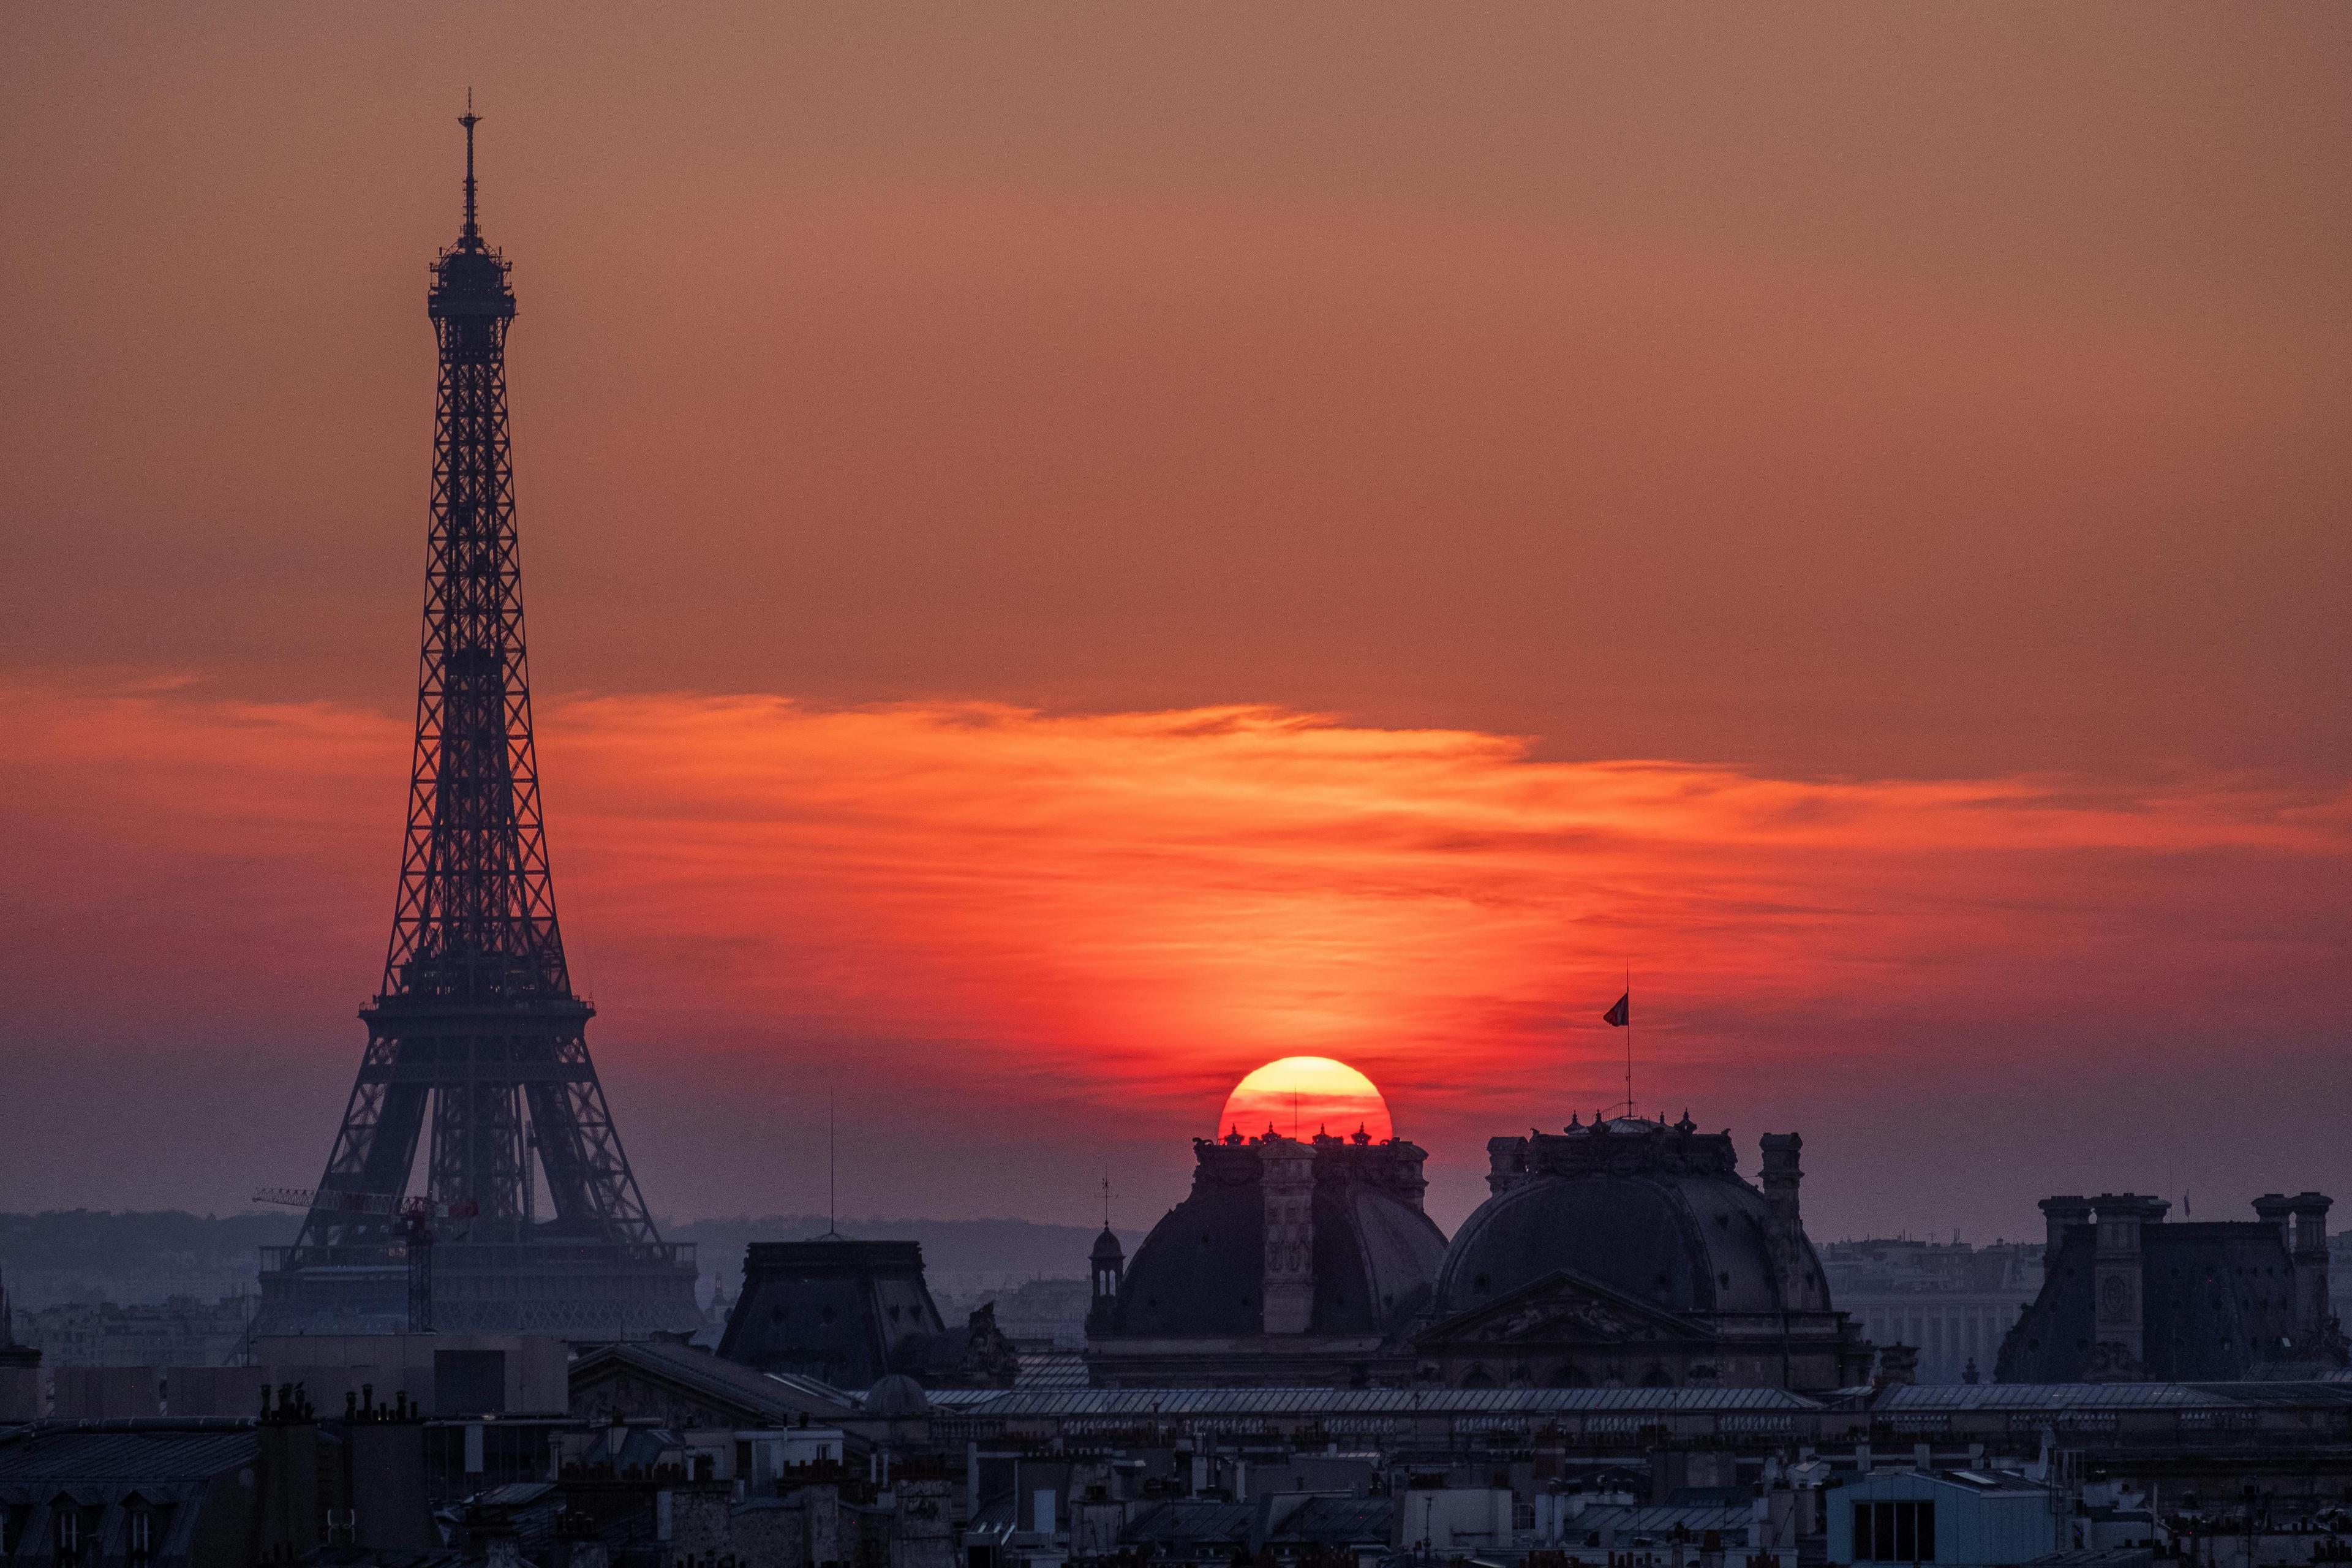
<point>1300,1096</point>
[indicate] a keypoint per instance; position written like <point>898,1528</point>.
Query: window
<point>68,1519</point>
<point>1895,1533</point>
<point>138,1529</point>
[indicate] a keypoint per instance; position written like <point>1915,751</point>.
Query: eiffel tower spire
<point>476,1016</point>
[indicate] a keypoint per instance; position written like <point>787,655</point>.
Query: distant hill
<point>90,1254</point>
<point>963,1250</point>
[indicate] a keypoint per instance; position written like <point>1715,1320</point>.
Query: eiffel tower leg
<point>375,1148</point>
<point>478,1150</point>
<point>588,1177</point>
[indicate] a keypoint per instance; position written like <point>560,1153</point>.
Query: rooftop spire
<point>472,237</point>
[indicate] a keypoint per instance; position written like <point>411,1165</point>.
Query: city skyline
<point>1037,618</point>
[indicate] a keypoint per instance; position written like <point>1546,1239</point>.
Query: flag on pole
<point>1621,1015</point>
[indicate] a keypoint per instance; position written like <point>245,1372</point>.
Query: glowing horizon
<point>1028,920</point>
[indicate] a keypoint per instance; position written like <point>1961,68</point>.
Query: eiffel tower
<point>476,1019</point>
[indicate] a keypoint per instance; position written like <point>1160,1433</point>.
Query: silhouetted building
<point>1622,1252</point>
<point>853,1312</point>
<point>2127,1297</point>
<point>1951,1301</point>
<point>180,1332</point>
<point>20,1369</point>
<point>217,1493</point>
<point>169,1496</point>
<point>1106,1266</point>
<point>1630,1252</point>
<point>1292,1262</point>
<point>1036,1314</point>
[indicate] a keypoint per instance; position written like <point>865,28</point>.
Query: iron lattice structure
<point>476,1019</point>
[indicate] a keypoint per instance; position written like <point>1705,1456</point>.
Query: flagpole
<point>1629,1036</point>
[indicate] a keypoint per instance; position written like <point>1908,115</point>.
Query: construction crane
<point>416,1217</point>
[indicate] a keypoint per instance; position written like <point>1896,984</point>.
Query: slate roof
<point>1187,1519</point>
<point>1319,1401</point>
<point>1329,1521</point>
<point>1912,1398</point>
<point>377,1557</point>
<point>1661,1519</point>
<point>2332,1391</point>
<point>1337,1521</point>
<point>118,1451</point>
<point>1051,1387</point>
<point>771,1395</point>
<point>1045,1370</point>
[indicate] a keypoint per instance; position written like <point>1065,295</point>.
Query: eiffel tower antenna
<point>470,237</point>
<point>476,1016</point>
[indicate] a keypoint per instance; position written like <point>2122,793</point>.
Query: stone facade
<point>2127,1296</point>
<point>1954,1301</point>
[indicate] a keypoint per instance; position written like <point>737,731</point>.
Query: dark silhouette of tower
<point>477,1016</point>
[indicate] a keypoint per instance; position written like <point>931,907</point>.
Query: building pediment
<point>1562,1308</point>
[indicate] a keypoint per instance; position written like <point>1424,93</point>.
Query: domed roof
<point>1658,1212</point>
<point>1202,1271</point>
<point>898,1395</point>
<point>1106,1248</point>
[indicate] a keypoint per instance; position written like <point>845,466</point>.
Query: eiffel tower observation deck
<point>477,1020</point>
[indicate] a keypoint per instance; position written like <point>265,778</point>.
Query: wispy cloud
<point>1139,907</point>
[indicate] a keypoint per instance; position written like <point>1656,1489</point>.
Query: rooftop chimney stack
<point>1507,1162</point>
<point>2058,1214</point>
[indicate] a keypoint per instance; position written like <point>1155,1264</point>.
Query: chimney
<point>1898,1366</point>
<point>2310,1257</point>
<point>1401,1166</point>
<point>1507,1162</point>
<point>2274,1209</point>
<point>2118,1311</point>
<point>1790,1249</point>
<point>1287,1183</point>
<point>2059,1213</point>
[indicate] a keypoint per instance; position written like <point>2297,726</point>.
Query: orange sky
<point>1073,550</point>
<point>1052,943</point>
